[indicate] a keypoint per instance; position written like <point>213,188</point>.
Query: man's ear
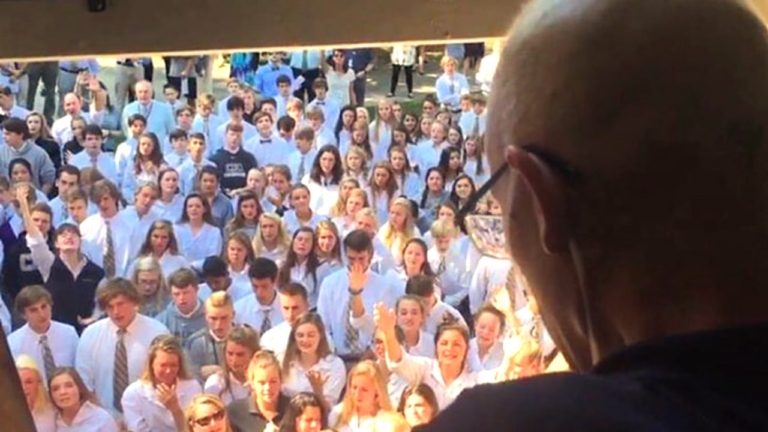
<point>548,196</point>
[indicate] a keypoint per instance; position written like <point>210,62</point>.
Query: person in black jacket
<point>629,141</point>
<point>70,277</point>
<point>18,268</point>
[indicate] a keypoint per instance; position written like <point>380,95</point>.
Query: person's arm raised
<point>386,322</point>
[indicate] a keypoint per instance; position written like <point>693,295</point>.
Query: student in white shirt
<point>157,400</point>
<point>190,169</point>
<point>205,121</point>
<point>346,295</point>
<point>380,131</point>
<point>300,160</point>
<point>293,304</point>
<point>340,207</point>
<point>438,313</point>
<point>414,263</point>
<point>365,398</point>
<point>231,382</point>
<point>176,153</point>
<point>324,179</point>
<point>160,243</point>
<point>249,210</point>
<point>450,85</point>
<point>148,278</point>
<point>49,343</point>
<point>356,165</point>
<point>101,342</point>
<point>309,364</point>
<point>170,201</point>
<point>447,261</point>
<point>411,316</point>
<point>93,157</point>
<point>399,229</point>
<point>126,151</point>
<point>473,123</point>
<point>271,240</point>
<point>261,310</point>
<point>69,179</point>
<point>284,96</point>
<point>145,167</point>
<point>234,88</point>
<point>343,129</point>
<point>408,182</point>
<point>33,384</point>
<point>301,215</point>
<point>474,160</point>
<point>485,349</point>
<point>429,151</point>
<point>323,134</point>
<point>356,200</point>
<point>197,235</point>
<point>236,110</point>
<point>77,408</point>
<point>141,215</point>
<point>238,255</point>
<point>329,244</point>
<point>330,107</point>
<point>267,146</point>
<point>302,265</point>
<point>418,405</point>
<point>276,197</point>
<point>98,228</point>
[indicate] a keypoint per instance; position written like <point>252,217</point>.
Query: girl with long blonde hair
<point>400,228</point>
<point>230,383</point>
<point>365,398</point>
<point>271,239</point>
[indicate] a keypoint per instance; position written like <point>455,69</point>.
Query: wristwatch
<point>354,292</point>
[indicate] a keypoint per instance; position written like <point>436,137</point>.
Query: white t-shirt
<point>338,86</point>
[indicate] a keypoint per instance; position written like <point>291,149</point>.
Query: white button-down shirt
<point>144,412</point>
<point>96,353</point>
<point>196,248</point>
<point>62,339</point>
<point>104,163</point>
<point>169,263</point>
<point>295,161</point>
<point>269,150</point>
<point>292,223</point>
<point>237,390</point>
<point>61,130</point>
<point>170,211</point>
<point>237,290</point>
<point>491,360</point>
<point>140,226</point>
<point>425,347</point>
<point>94,231</point>
<point>438,314</point>
<point>124,158</point>
<point>331,367</point>
<point>332,305</point>
<point>276,339</point>
<point>207,126</point>
<point>249,311</point>
<point>418,370</point>
<point>321,198</point>
<point>428,154</point>
<point>90,418</point>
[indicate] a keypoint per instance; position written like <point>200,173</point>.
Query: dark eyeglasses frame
<point>206,421</point>
<point>570,174</point>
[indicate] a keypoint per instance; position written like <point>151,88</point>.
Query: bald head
<point>662,105</point>
<point>72,104</point>
<point>144,91</point>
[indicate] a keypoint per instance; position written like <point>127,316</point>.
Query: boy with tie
<point>267,146</point>
<point>261,310</point>
<point>205,121</point>
<point>316,120</point>
<point>329,107</point>
<point>52,344</point>
<point>93,157</point>
<point>126,151</point>
<point>190,168</point>
<point>301,160</point>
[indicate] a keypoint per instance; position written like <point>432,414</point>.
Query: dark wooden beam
<point>14,414</point>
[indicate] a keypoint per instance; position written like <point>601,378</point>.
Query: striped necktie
<point>301,169</point>
<point>351,334</point>
<point>120,374</point>
<point>48,361</point>
<point>441,266</point>
<point>267,323</point>
<point>109,253</point>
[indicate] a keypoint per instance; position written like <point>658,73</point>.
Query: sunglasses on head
<point>207,420</point>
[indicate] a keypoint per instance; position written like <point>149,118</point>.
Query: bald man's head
<point>144,91</point>
<point>662,105</point>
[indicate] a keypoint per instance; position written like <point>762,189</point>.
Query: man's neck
<point>41,330</point>
<point>145,102</point>
<point>197,159</point>
<point>268,302</point>
<point>265,135</point>
<point>108,215</point>
<point>233,148</point>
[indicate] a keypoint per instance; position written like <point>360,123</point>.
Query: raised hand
<point>167,395</point>
<point>358,276</point>
<point>317,380</point>
<point>384,317</point>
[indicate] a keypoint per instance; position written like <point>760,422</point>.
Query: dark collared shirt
<point>709,381</point>
<point>244,415</point>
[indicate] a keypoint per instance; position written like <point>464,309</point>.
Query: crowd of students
<point>263,262</point>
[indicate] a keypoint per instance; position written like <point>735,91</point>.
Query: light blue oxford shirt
<point>330,108</point>
<point>266,78</point>
<point>314,60</point>
<point>159,115</point>
<point>450,88</point>
<point>91,65</point>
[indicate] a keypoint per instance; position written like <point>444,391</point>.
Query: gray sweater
<point>43,172</point>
